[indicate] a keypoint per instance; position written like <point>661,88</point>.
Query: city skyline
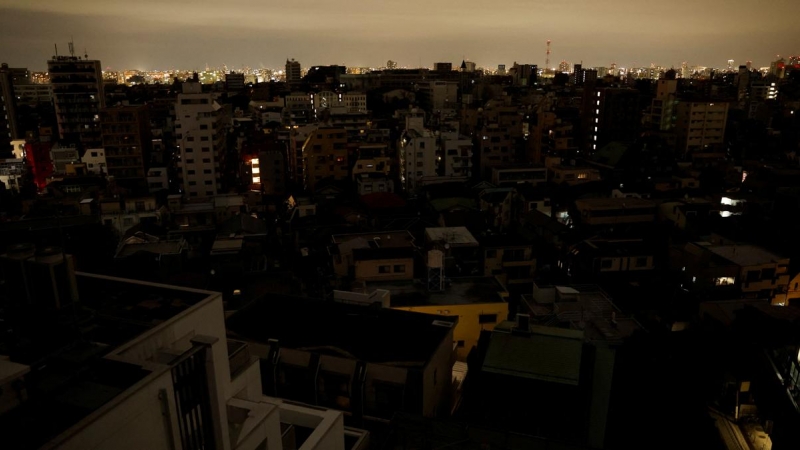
<point>181,35</point>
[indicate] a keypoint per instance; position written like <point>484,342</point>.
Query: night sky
<point>189,34</point>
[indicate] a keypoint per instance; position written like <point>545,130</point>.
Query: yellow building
<point>325,156</point>
<point>479,302</point>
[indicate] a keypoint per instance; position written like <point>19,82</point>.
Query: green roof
<point>547,354</point>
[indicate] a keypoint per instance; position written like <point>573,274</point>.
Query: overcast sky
<point>189,34</point>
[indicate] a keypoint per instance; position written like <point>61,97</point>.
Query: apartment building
<point>700,126</point>
<point>374,256</point>
<point>200,133</point>
<point>325,156</point>
<point>78,98</point>
<point>127,143</point>
<point>152,369</point>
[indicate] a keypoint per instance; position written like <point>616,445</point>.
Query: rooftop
<point>546,354</point>
<point>383,239</point>
<point>613,203</point>
<point>353,331</point>
<point>745,255</point>
<point>70,377</point>
<point>454,236</point>
<point>579,307</point>
<point>458,291</point>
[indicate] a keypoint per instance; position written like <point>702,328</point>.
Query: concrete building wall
<point>385,269</point>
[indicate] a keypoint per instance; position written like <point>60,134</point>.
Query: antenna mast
<point>547,59</point>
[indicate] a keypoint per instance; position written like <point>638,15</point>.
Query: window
<point>384,269</point>
<point>204,127</point>
<point>206,149</point>
<point>203,138</point>
<point>190,138</point>
<point>767,274</point>
<point>491,253</point>
<point>190,172</point>
<point>207,171</point>
<point>723,281</point>
<point>487,318</point>
<point>209,182</point>
<point>641,262</point>
<point>606,263</point>
<point>460,344</point>
<point>207,160</point>
<point>400,268</point>
<point>209,193</point>
<point>94,154</point>
<point>193,183</point>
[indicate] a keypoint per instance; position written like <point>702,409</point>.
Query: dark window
<point>384,269</point>
<point>333,390</point>
<point>606,263</point>
<point>388,398</point>
<point>491,253</point>
<point>399,268</point>
<point>767,274</point>
<point>206,160</point>
<point>487,318</point>
<point>753,275</point>
<point>204,127</point>
<point>641,262</point>
<point>460,344</point>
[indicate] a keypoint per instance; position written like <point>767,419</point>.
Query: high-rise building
<point>563,67</point>
<point>325,156</point>
<point>391,65</point>
<point>293,71</point>
<point>611,114</point>
<point>501,69</point>
<point>127,142</point>
<point>417,152</point>
<point>730,65</point>
<point>234,82</point>
<point>577,74</point>
<point>78,97</point>
<point>8,117</point>
<point>200,133</point>
<point>700,125</point>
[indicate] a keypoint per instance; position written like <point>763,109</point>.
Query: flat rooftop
<point>69,376</point>
<point>613,203</point>
<point>384,239</point>
<point>745,255</point>
<point>353,331</point>
<point>458,291</point>
<point>547,354</point>
<point>579,307</point>
<point>455,236</point>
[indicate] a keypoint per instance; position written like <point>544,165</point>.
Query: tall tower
<point>78,98</point>
<point>547,59</point>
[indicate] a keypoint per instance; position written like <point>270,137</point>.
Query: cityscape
<point>439,253</point>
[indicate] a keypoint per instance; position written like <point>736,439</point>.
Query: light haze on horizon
<point>190,34</point>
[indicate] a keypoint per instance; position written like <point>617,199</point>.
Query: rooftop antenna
<point>71,47</point>
<point>56,46</point>
<point>85,53</point>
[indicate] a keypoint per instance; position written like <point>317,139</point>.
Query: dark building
<point>369,362</point>
<point>127,141</point>
<point>610,114</point>
<point>293,71</point>
<point>78,96</point>
<point>443,67</point>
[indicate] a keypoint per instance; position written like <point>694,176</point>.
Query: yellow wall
<point>469,327</point>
